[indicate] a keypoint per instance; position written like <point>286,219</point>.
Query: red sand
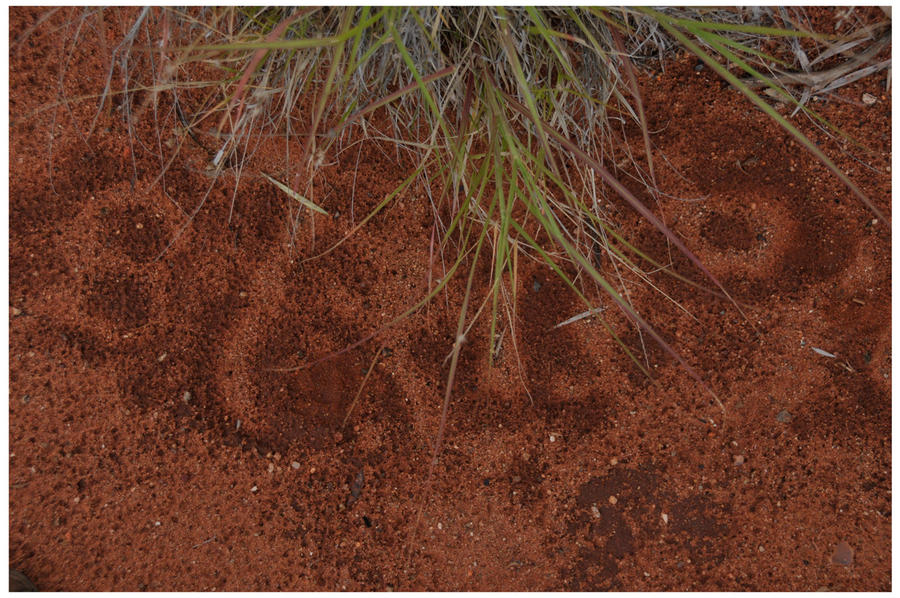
<point>129,376</point>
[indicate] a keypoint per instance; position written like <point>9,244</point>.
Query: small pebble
<point>16,311</point>
<point>868,99</point>
<point>843,554</point>
<point>552,438</point>
<point>295,464</point>
<point>254,489</point>
<point>162,357</point>
<point>613,461</point>
<point>271,467</point>
<point>784,416</point>
<point>242,294</point>
<point>613,500</point>
<point>186,397</point>
<point>665,518</point>
<point>158,523</point>
<point>739,460</point>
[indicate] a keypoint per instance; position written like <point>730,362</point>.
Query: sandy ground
<point>153,446</point>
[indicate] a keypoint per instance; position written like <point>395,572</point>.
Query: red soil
<point>152,446</point>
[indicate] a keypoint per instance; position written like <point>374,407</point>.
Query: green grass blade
<point>739,28</point>
<point>524,87</point>
<point>549,36</point>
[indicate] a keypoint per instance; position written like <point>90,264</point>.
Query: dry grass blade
<point>579,317</point>
<point>451,377</point>
<point>250,69</point>
<point>362,385</point>
<point>852,69</point>
<point>389,98</point>
<point>294,195</point>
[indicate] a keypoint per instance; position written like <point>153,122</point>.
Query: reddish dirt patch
<point>158,442</point>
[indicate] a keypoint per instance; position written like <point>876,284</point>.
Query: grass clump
<point>509,113</point>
